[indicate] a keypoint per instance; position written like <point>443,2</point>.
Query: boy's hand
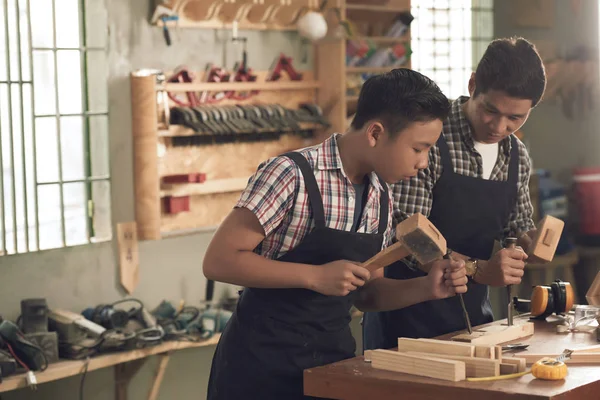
<point>447,278</point>
<point>338,278</point>
<point>506,267</point>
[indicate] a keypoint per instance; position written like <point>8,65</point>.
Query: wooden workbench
<point>356,379</point>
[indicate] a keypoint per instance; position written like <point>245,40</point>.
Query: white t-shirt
<point>489,156</point>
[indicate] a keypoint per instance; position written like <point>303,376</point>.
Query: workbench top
<point>356,379</point>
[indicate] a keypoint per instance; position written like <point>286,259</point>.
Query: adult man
<point>475,191</point>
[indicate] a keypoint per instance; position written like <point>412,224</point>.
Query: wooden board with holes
<point>448,370</point>
<point>496,334</point>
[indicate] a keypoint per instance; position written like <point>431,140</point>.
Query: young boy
<point>299,232</point>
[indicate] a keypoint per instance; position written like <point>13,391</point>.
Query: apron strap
<point>445,154</point>
<point>384,208</point>
<point>310,182</point>
<point>513,167</point>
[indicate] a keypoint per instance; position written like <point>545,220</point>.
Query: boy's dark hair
<point>398,98</point>
<point>514,66</point>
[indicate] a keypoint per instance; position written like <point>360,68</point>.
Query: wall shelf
<point>382,9</point>
<point>227,161</point>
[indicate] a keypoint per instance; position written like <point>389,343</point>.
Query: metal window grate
<point>449,37</point>
<point>54,186</point>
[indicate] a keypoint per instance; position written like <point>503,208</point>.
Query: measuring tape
<point>551,369</point>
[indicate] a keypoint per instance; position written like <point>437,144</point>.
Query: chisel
<point>462,302</point>
<point>510,243</point>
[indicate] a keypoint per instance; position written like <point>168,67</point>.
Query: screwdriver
<point>462,302</point>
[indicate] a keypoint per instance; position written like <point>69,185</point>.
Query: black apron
<point>471,213</point>
<point>275,334</point>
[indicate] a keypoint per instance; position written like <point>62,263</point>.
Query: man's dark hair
<point>514,66</point>
<point>399,98</point>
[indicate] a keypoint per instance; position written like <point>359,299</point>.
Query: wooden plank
<point>207,187</point>
<point>238,86</point>
<point>432,367</point>
<point>518,361</point>
<point>576,359</point>
<point>496,334</point>
<point>129,260</point>
<point>487,352</point>
<point>65,369</point>
<point>475,367</point>
<point>498,353</point>
<point>506,369</point>
<point>435,346</point>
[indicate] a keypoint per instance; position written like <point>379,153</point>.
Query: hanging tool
<point>462,301</point>
<point>282,63</point>
<point>510,243</point>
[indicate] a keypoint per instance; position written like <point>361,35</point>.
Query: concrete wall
<point>171,269</point>
<point>556,142</point>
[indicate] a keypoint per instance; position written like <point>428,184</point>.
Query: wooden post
<point>330,67</point>
<point>123,374</point>
<point>145,143</point>
<point>160,373</point>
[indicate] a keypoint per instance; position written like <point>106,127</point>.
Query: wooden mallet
<point>416,236</point>
<point>546,238</point>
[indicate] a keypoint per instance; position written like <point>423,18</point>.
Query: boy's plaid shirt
<point>416,195</point>
<point>276,195</point>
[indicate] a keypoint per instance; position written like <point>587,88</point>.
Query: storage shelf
<point>382,39</point>
<point>239,86</point>
<point>180,130</point>
<point>67,368</point>
<point>368,7</point>
<point>214,24</point>
<point>206,187</point>
<point>369,70</point>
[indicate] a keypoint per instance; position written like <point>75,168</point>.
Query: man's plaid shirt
<point>276,194</point>
<point>416,195</point>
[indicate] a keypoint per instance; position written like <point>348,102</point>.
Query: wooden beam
<point>474,367</point>
<point>432,367</point>
<point>436,347</point>
<point>518,361</point>
<point>496,334</point>
<point>158,377</point>
<point>487,352</point>
<point>575,359</point>
<point>507,369</point>
<point>239,86</point>
<point>123,375</point>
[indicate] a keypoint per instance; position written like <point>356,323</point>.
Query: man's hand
<point>338,278</point>
<point>447,278</point>
<point>506,267</point>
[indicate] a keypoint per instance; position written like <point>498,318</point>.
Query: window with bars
<point>449,37</point>
<point>54,186</point>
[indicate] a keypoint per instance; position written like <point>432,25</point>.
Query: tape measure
<point>551,369</point>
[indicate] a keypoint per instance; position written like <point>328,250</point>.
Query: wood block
<point>449,370</point>
<point>506,369</point>
<point>487,352</point>
<point>496,334</point>
<point>436,347</point>
<point>475,367</point>
<point>368,355</point>
<point>518,361</point>
<point>546,238</point>
<point>498,353</point>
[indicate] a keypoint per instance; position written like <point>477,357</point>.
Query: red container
<point>587,188</point>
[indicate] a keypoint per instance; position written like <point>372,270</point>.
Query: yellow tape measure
<point>551,369</point>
